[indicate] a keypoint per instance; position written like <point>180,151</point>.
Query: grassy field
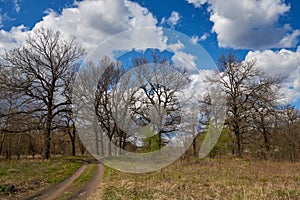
<point>226,178</point>
<point>83,179</point>
<point>29,175</point>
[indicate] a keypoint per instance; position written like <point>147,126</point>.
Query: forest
<point>38,112</point>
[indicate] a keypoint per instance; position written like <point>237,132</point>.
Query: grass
<point>81,181</point>
<point>29,175</point>
<point>86,176</point>
<point>225,178</point>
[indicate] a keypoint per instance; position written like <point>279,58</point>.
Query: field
<point>218,178</point>
<point>225,178</point>
<point>31,175</point>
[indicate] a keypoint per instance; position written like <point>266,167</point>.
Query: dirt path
<point>91,188</point>
<point>83,193</point>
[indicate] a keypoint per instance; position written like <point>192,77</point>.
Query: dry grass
<point>208,179</point>
<point>30,175</point>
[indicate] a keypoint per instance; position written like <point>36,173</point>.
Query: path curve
<point>91,187</point>
<point>82,193</point>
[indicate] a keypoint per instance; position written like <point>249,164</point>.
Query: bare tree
<point>45,66</point>
<point>157,99</point>
<point>287,129</point>
<point>106,84</point>
<point>126,100</point>
<point>248,90</point>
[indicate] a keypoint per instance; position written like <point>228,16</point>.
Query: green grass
<point>86,176</point>
<point>224,178</point>
<point>29,175</point>
<point>79,182</point>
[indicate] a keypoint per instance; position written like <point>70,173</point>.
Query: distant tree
<point>45,66</point>
<point>287,129</point>
<point>157,99</point>
<point>104,102</point>
<point>248,91</point>
<point>96,101</point>
<point>126,100</point>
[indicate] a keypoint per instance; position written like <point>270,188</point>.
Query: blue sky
<point>265,30</point>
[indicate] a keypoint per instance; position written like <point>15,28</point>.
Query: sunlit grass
<point>80,182</point>
<point>224,178</point>
<point>28,175</point>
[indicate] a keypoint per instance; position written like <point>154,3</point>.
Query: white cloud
<point>250,24</point>
<point>182,59</point>
<point>290,40</point>
<point>93,21</point>
<point>176,46</point>
<point>204,37</point>
<point>173,20</point>
<point>195,38</point>
<point>197,3</point>
<point>13,38</point>
<point>185,60</point>
<point>285,63</point>
<point>16,6</point>
<point>1,19</point>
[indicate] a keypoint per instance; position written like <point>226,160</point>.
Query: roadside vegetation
<point>30,175</point>
<point>218,178</point>
<point>79,183</point>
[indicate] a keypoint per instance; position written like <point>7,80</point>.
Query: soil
<point>82,193</point>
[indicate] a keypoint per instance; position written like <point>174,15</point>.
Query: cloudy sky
<point>266,30</point>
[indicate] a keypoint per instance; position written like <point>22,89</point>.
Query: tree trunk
<point>47,134</point>
<point>109,146</point>
<point>72,135</point>
<point>47,138</point>
<point>19,146</point>
<point>2,142</point>
<point>73,145</point>
<point>239,144</point>
<point>195,145</point>
<point>102,144</point>
<point>82,148</point>
<point>8,150</point>
<point>95,127</point>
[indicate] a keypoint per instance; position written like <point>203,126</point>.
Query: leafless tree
<point>126,100</point>
<point>157,99</point>
<point>287,132</point>
<point>44,68</point>
<point>249,90</point>
<point>104,108</point>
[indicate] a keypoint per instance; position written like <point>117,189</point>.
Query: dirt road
<point>58,191</point>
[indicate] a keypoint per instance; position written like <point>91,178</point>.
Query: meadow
<point>219,178</point>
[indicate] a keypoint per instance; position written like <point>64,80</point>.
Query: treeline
<point>42,90</point>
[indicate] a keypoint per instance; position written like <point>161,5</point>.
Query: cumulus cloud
<point>197,3</point>
<point>250,24</point>
<point>204,37</point>
<point>173,20</point>
<point>176,46</point>
<point>285,63</point>
<point>185,60</point>
<point>93,21</point>
<point>13,38</point>
<point>195,38</point>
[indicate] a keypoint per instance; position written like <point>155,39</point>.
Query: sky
<point>265,30</point>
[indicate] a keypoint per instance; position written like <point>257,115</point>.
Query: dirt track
<point>61,188</point>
